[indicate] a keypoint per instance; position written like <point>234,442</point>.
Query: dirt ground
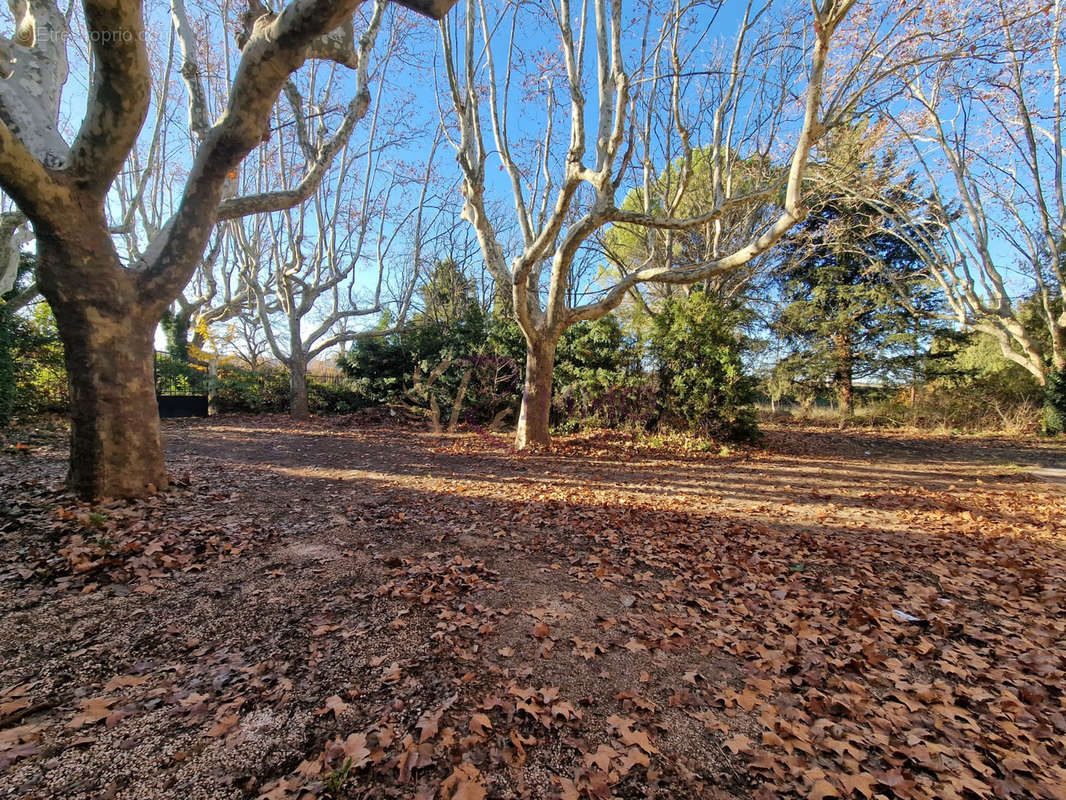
<point>327,610</point>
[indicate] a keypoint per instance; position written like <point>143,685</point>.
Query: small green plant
<point>337,778</point>
<point>103,541</point>
<point>654,440</point>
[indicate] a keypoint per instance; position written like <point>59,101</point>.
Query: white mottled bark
<point>580,200</point>
<point>107,309</point>
<point>34,64</point>
<point>13,235</point>
<point>1001,194</point>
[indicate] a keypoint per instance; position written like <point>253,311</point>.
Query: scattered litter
<point>903,616</point>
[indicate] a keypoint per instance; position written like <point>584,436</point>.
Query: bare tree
<point>306,272</point>
<point>217,291</point>
<point>986,130</point>
<point>560,205</point>
<point>106,302</point>
<point>739,155</point>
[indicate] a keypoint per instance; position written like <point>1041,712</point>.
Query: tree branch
<point>35,70</point>
<point>287,198</point>
<point>276,48</point>
<point>119,94</point>
<point>10,246</point>
<point>26,180</point>
<point>190,69</point>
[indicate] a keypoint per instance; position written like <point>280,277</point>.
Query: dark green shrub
<point>703,385</point>
<point>608,400</point>
<point>7,367</point>
<point>327,397</point>
<point>379,368</point>
<point>598,381</point>
<point>594,348</point>
<point>1055,403</point>
<point>494,387</point>
<point>240,391</point>
<point>383,369</point>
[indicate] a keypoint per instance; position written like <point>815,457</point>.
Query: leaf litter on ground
<point>323,610</point>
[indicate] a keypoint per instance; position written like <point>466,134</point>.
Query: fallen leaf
<point>122,681</point>
<point>92,711</point>
<point>333,704</point>
<point>223,726</point>
<point>737,744</point>
<point>464,783</point>
<point>480,724</point>
<point>429,724</point>
<point>822,789</point>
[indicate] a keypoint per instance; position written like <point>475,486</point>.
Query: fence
<point>182,389</point>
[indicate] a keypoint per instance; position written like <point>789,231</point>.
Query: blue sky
<point>409,90</point>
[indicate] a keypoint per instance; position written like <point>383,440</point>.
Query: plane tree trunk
<point>106,309</point>
<point>299,405</point>
<point>108,336</point>
<point>535,417</point>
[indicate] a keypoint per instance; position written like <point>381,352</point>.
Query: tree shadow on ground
<point>737,611</point>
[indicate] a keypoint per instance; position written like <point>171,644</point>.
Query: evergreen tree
<point>451,333</point>
<point>703,383</point>
<point>448,296</point>
<point>853,301</point>
<point>175,325</point>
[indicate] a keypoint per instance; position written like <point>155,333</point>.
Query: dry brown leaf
<point>223,726</point>
<point>822,789</point>
<point>429,724</point>
<point>355,748</point>
<point>480,724</point>
<point>92,711</point>
<point>862,783</point>
<point>464,783</point>
<point>122,681</point>
<point>737,744</point>
<point>334,704</point>
<point>601,758</point>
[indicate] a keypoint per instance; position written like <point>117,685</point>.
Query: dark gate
<point>180,387</point>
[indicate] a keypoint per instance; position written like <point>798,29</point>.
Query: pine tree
<point>853,301</point>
